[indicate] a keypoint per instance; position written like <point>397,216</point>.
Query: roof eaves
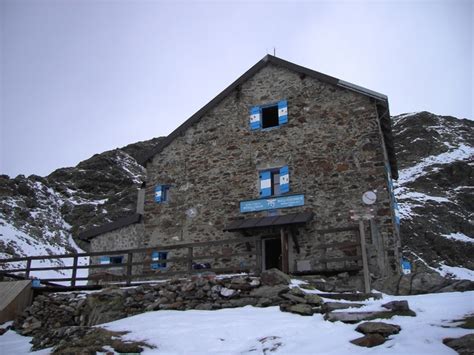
<point>362,90</point>
<point>109,227</point>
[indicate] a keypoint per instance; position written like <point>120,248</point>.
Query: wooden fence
<point>187,262</point>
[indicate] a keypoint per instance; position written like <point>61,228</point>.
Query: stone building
<point>284,154</point>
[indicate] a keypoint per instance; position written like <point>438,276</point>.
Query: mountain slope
<point>39,215</point>
<point>435,188</point>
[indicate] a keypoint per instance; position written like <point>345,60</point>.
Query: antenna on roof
<point>274,51</point>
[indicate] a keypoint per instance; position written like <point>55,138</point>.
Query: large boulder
<point>300,308</point>
<point>271,292</point>
<point>274,277</point>
<point>369,340</point>
<point>384,329</point>
<point>463,345</point>
<point>421,283</point>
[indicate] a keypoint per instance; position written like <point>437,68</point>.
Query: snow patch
<point>459,237</point>
<point>463,152</point>
<point>455,272</point>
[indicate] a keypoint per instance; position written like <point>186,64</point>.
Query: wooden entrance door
<point>272,253</point>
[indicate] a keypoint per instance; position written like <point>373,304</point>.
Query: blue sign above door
<point>272,203</point>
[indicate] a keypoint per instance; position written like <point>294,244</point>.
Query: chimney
<point>141,199</point>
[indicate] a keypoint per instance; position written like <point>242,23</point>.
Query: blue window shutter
<point>265,184</point>
<point>282,112</point>
<point>284,179</point>
<point>255,118</point>
<point>158,193</point>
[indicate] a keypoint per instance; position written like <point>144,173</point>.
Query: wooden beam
<point>295,240</point>
<point>365,264</point>
<point>258,256</point>
<point>139,250</point>
<point>335,230</point>
<point>284,251</point>
<point>74,271</point>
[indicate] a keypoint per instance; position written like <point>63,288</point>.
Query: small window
<point>158,256</point>
<point>274,182</point>
<point>116,259</point>
<point>161,193</point>
<point>268,116</point>
<point>104,260</point>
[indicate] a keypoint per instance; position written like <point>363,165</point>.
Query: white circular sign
<point>369,197</point>
<point>192,212</point>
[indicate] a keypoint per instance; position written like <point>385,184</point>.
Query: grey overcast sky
<point>81,77</point>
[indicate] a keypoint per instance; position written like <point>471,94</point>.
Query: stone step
<point>331,306</point>
<point>355,317</point>
<point>350,296</point>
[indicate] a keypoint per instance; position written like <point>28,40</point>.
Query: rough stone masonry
<point>336,145</point>
<point>332,144</point>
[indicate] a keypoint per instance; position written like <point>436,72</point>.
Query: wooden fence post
<point>129,268</point>
<point>74,271</point>
<point>28,267</point>
<point>258,256</point>
<point>284,250</point>
<point>190,260</point>
<point>364,256</point>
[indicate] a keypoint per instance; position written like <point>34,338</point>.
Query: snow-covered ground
<point>251,330</point>
<point>26,245</point>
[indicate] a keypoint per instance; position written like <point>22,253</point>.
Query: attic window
<point>270,116</point>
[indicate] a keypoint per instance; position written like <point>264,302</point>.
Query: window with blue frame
<point>111,260</point>
<point>274,182</point>
<point>161,193</point>
<point>268,116</point>
<point>157,258</point>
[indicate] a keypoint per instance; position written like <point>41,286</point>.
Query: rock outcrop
<point>421,283</point>
<point>463,345</point>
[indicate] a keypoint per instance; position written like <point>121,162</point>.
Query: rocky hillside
<point>435,188</point>
<point>39,215</point>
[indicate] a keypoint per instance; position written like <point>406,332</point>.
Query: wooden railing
<point>186,263</point>
<point>353,245</point>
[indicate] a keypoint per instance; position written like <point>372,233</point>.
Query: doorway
<point>272,252</point>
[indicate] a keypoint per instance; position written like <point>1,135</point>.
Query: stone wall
<point>52,316</point>
<point>129,237</point>
<point>332,144</point>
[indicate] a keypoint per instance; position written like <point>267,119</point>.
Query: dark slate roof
<point>269,221</point>
<point>108,227</point>
<point>381,99</point>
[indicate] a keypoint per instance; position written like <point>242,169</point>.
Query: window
<point>268,116</point>
<point>158,256</point>
<point>274,182</point>
<point>111,260</point>
<point>116,259</point>
<point>161,193</point>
